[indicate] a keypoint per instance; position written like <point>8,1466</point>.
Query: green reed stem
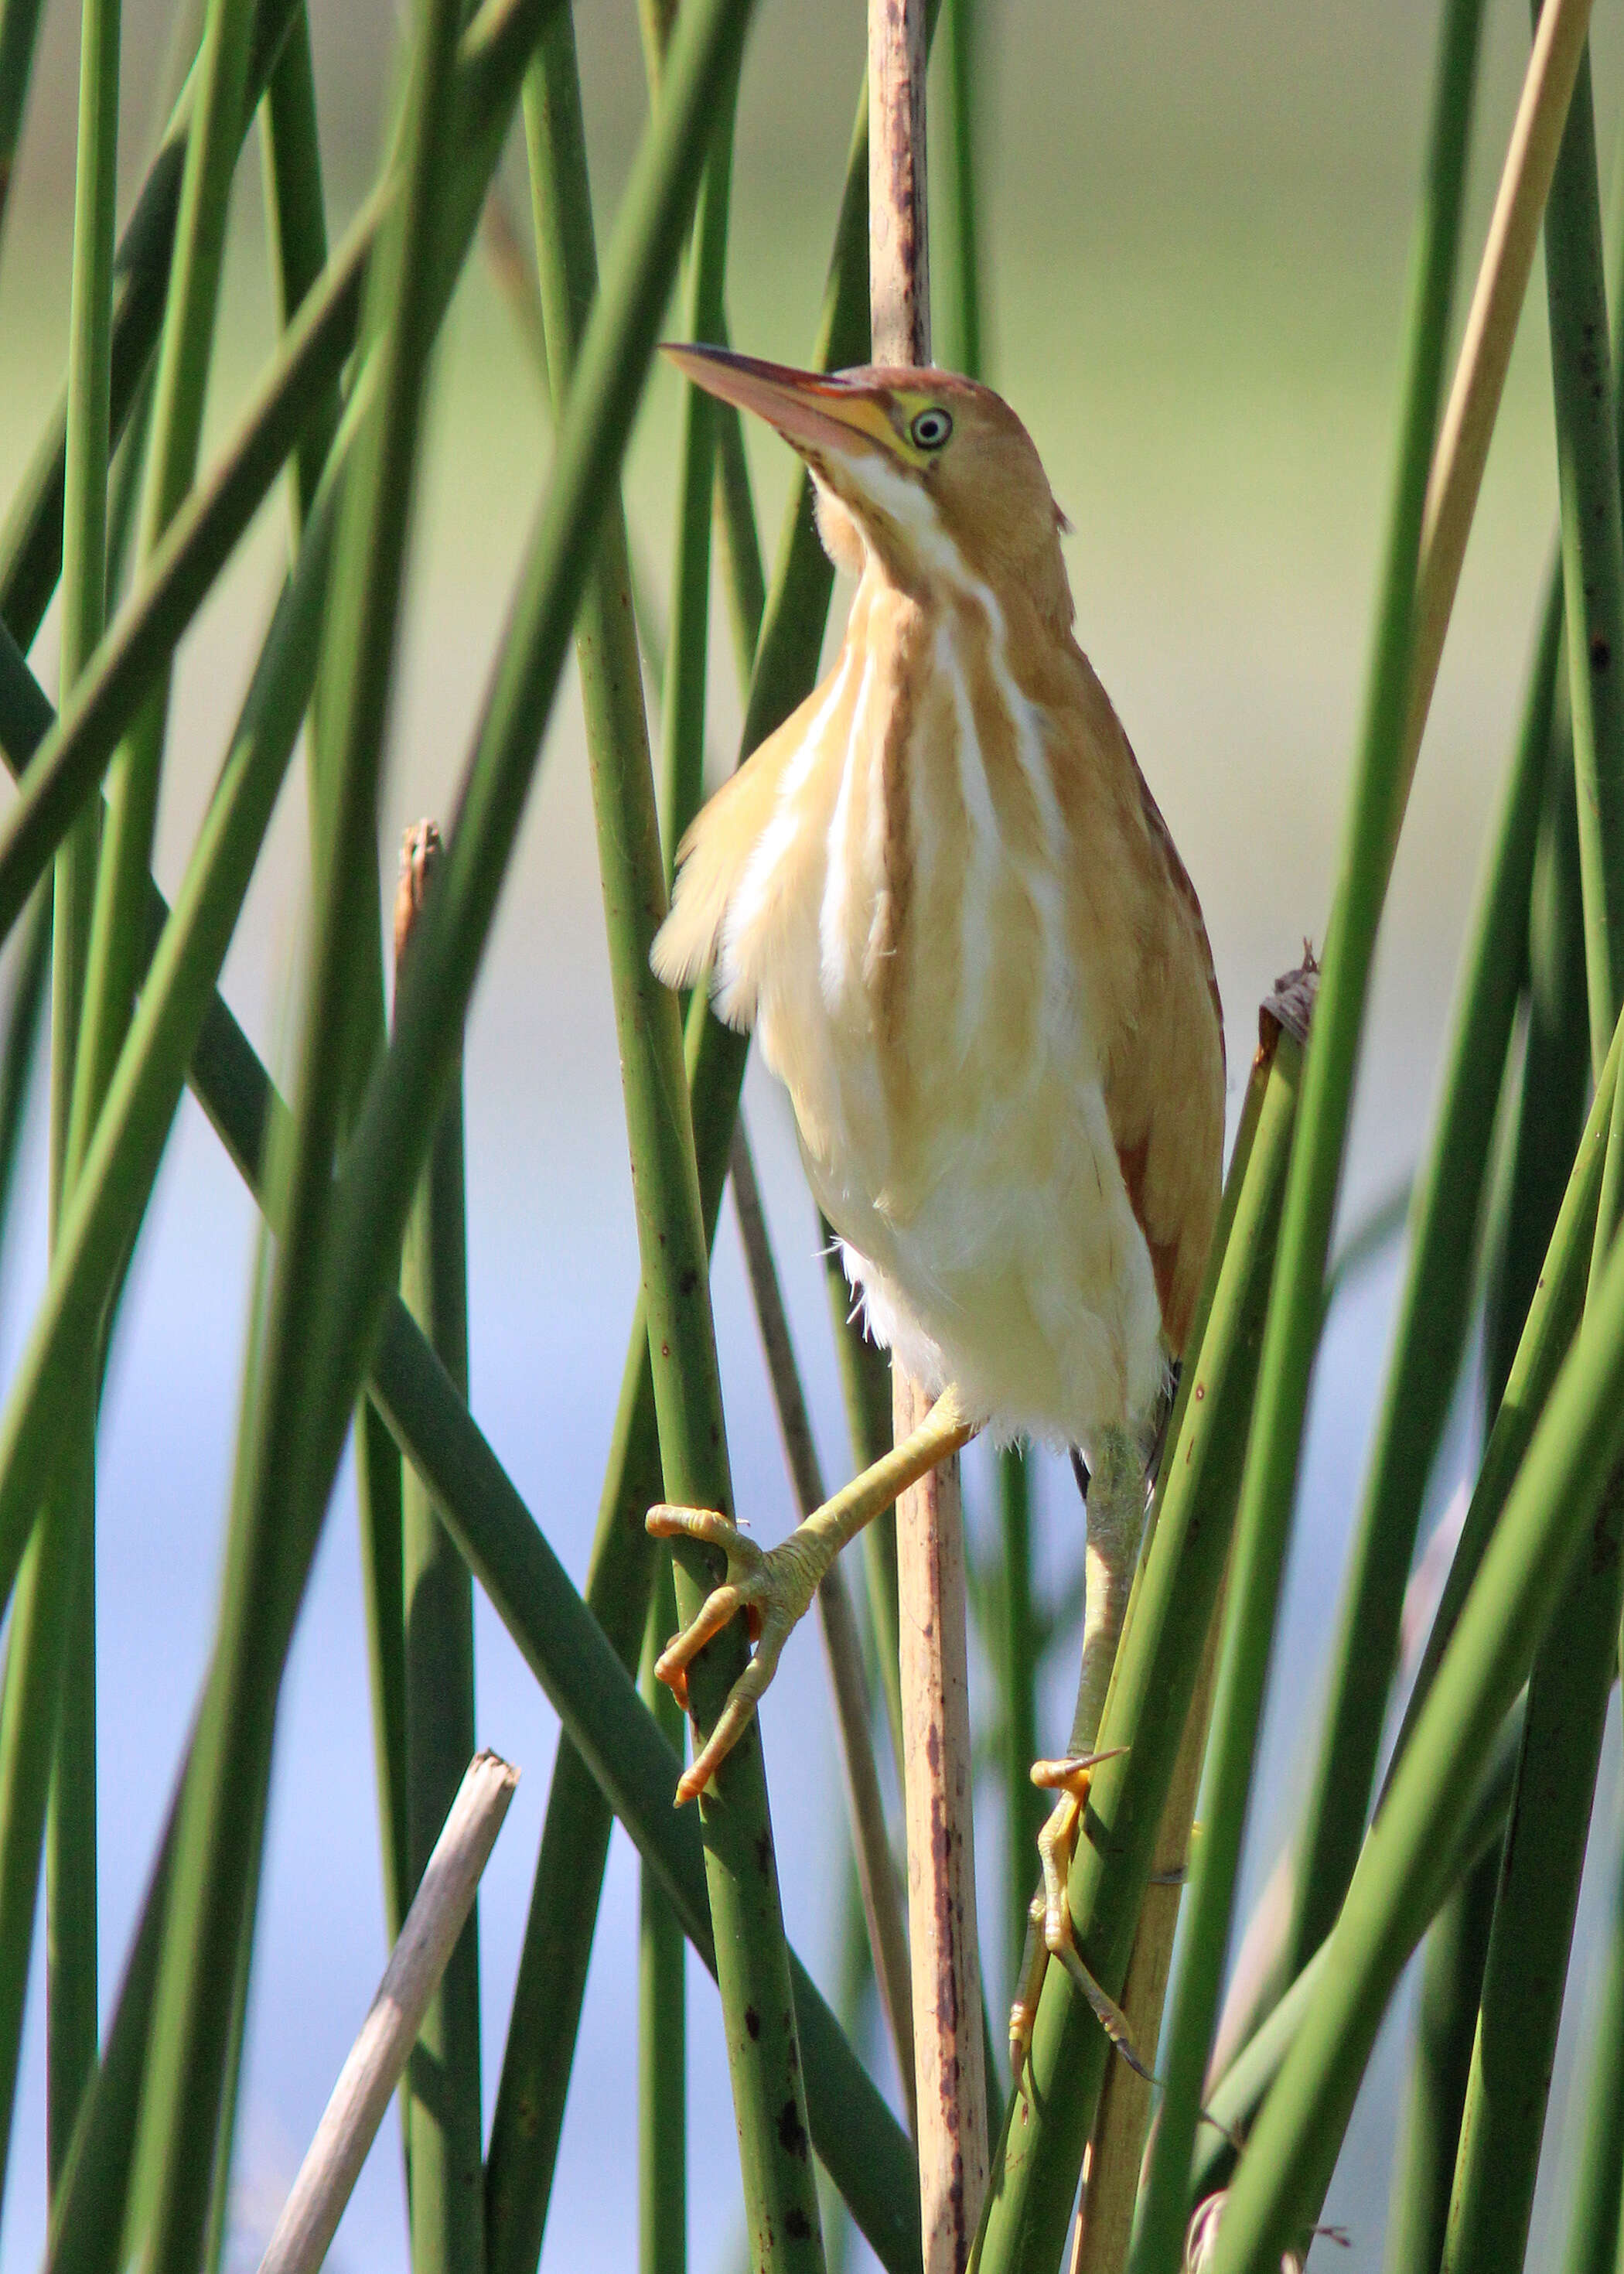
<point>70,1884</point>
<point>18,1046</point>
<point>1430,1333</point>
<point>1594,2223</point>
<point>1263,1521</point>
<point>295,224</point>
<point>1552,1316</point>
<point>1033,2179</point>
<point>1457,1947</point>
<point>1550,1510</point>
<point>662,2030</point>
<point>1587,439</point>
<point>88,2213</point>
<point>1556,1069</point>
<point>184,357</point>
<point>567,1648</point>
<point>1234,2100</point>
<point>542,2032</point>
<point>31,537</point>
<point>742,581</point>
<point>177,999</point>
<point>964,88</point>
<point>713,427</point>
<point>1538,1897</point>
<point>445,2130</point>
<point>181,574</point>
<point>282,1486</point>
<point>682,709</point>
<point>1535,1902</point>
<point>781,2197</point>
<point>1018,1667</point>
<point>865,1384</point>
<point>20,30</point>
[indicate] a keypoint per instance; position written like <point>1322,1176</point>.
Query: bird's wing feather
<point>1154,998</point>
<point>711,858</point>
<point>1165,1091</point>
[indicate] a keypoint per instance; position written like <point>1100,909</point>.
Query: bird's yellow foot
<point>1049,1927</point>
<point>771,1586</point>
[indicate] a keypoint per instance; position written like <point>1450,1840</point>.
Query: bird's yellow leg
<point>773,1586</point>
<point>1115,1525</point>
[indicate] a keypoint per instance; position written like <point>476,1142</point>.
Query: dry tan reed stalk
<point>1468,423</point>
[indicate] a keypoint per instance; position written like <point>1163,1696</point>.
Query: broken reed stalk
<point>444,1899</point>
<point>950,2074</point>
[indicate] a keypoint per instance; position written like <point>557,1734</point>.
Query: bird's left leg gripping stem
<point>774,1586</point>
<point>1116,1499</point>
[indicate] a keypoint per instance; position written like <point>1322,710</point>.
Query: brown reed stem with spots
<point>950,2072</point>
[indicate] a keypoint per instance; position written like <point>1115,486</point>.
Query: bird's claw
<point>1049,1930</point>
<point>767,1586</point>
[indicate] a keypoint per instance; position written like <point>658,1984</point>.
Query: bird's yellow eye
<point>930,429</point>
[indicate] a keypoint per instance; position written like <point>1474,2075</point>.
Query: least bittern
<point>944,897</point>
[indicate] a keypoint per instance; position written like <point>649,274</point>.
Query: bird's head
<point>932,473</point>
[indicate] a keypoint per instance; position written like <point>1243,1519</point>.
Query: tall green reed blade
<point>371,1200</point>
<point>20,1046</point>
<point>1593,2229</point>
<point>48,1726</point>
<point>296,225</point>
<point>279,1490</point>
<point>733,505</point>
<point>444,2128</point>
<point>492,59</point>
<point>31,540</point>
<point>295,220</point>
<point>662,2099</point>
<point>1547,1517</point>
<point>1552,1317</point>
<point>1446,2023</point>
<point>662,2011</point>
<point>1537,1895</point>
<point>87,2217</point>
<point>1430,1333</point>
<point>1234,2100</point>
<point>682,707</point>
<point>565,1646</point>
<point>177,1001</point>
<point>959,312</point>
<point>213,140</point>
<point>860,2142</point>
<point>1034,2179</point>
<point>70,1878</point>
<point>1294,1315</point>
<point>1556,1071</point>
<point>528,2114</point>
<point>780,2196</point>
<point>1587,436</point>
<point>20,30</point>
<point>865,1388</point>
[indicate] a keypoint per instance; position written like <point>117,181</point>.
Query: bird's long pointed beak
<point>813,410</point>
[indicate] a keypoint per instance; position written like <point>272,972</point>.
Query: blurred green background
<point>1195,234</point>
